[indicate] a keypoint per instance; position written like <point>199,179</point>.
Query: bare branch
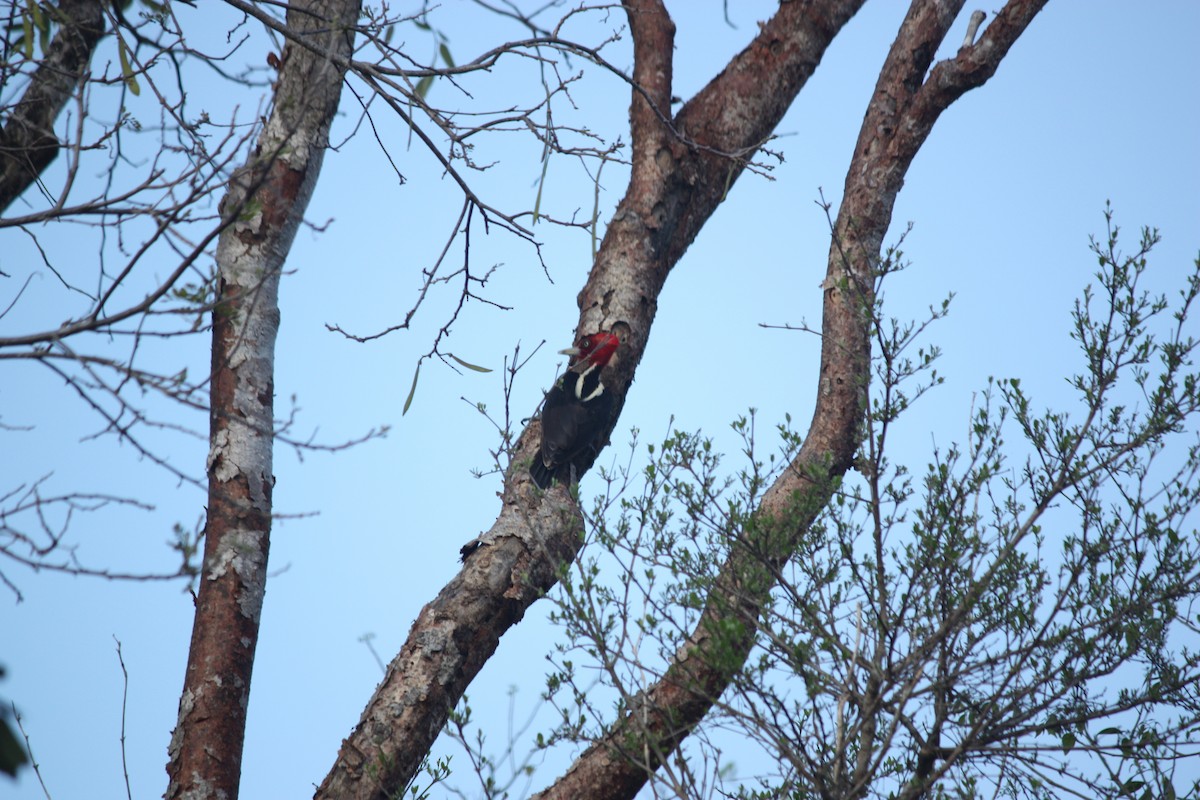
<point>536,533</point>
<point>28,143</point>
<point>655,723</point>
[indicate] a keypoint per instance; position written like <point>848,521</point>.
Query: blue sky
<point>1099,100</point>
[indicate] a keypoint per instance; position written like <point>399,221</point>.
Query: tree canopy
<point>472,189</point>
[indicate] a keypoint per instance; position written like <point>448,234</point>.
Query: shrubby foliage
<point>1019,616</point>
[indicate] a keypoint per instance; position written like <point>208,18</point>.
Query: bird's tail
<point>541,474</point>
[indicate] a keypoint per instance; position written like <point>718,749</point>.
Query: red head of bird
<point>591,351</point>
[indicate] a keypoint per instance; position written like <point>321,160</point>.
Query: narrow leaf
<point>423,86</point>
<point>39,19</point>
<point>445,51</point>
<point>127,69</point>
<point>27,30</point>
<point>413,390</point>
<point>468,366</point>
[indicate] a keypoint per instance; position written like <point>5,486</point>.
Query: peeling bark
<point>682,169</point>
<point>262,211</point>
<point>899,119</point>
<point>28,143</point>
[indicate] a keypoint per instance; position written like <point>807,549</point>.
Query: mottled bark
<point>682,169</point>
<point>900,116</point>
<point>262,210</point>
<point>28,143</point>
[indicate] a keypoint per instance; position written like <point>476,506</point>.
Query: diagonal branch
<point>28,143</point>
<point>898,121</point>
<point>674,188</point>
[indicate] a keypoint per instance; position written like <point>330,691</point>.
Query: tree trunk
<point>28,143</point>
<point>899,118</point>
<point>262,211</point>
<point>682,170</point>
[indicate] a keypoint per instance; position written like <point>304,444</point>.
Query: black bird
<point>576,409</point>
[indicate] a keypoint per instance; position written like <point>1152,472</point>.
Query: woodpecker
<point>576,409</point>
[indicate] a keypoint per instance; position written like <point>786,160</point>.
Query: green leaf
<point>423,86</point>
<point>1068,742</point>
<point>127,69</point>
<point>445,51</point>
<point>468,366</point>
<point>39,19</point>
<point>27,30</point>
<point>12,753</point>
<point>413,390</point>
